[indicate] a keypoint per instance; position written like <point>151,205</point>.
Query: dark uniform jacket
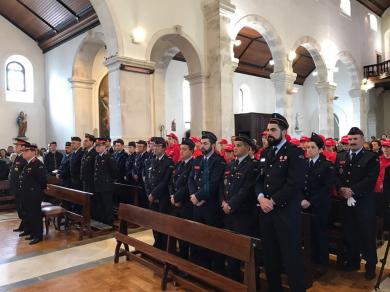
<point>121,158</point>
<point>105,173</point>
<point>75,166</point>
<point>319,180</point>
<point>149,156</point>
<point>64,170</point>
<point>360,174</point>
<point>139,165</point>
<point>52,161</point>
<point>282,174</point>
<point>179,182</point>
<point>239,186</point>
<point>16,169</point>
<point>129,167</point>
<point>4,170</point>
<point>159,175</point>
<point>33,180</point>
<point>206,190</point>
<point>87,168</point>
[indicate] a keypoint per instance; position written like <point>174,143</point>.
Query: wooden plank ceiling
<point>376,6</point>
<point>50,22</point>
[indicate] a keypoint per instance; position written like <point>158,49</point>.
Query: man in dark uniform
<point>356,179</point>
<point>279,193</point>
<point>178,189</point>
<point>87,167</point>
<point>138,170</point>
<point>16,168</point>
<point>75,163</point>
<point>104,175</point>
<point>52,159</point>
<point>120,156</point>
<point>237,197</point>
<point>156,185</point>
<point>4,170</point>
<point>64,169</point>
<point>203,183</point>
<point>318,183</point>
<point>32,184</point>
<point>130,162</point>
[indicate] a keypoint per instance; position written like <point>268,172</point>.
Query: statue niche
<point>104,109</point>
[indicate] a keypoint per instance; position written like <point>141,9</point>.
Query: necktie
<point>311,163</point>
<point>206,175</point>
<point>353,156</point>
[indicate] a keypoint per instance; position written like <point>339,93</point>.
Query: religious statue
<point>298,120</point>
<point>21,121</point>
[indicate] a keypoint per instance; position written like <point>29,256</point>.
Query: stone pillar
<point>326,92</point>
<point>283,82</point>
<point>131,107</point>
<point>83,105</point>
<point>197,89</point>
<point>374,118</point>
<point>360,110</point>
<point>219,116</point>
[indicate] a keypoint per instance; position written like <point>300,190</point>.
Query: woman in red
<point>197,151</point>
<point>173,149</point>
<point>329,152</point>
<point>383,201</point>
<point>264,142</point>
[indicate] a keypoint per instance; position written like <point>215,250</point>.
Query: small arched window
<point>186,105</point>
<point>345,6</point>
<point>15,77</point>
<point>19,79</point>
<point>244,99</point>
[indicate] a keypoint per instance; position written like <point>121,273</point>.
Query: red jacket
<point>173,152</point>
<point>383,164</point>
<point>197,153</point>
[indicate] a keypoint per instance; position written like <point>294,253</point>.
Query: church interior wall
<point>21,44</point>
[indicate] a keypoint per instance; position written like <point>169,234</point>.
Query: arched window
<point>19,79</point>
<point>186,105</point>
<point>345,6</point>
<point>243,99</point>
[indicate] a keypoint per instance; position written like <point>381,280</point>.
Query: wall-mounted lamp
<point>315,73</point>
<point>292,90</point>
<point>271,62</point>
<point>237,43</point>
<point>291,56</point>
<point>138,35</point>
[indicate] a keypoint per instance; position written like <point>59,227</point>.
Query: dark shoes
<point>35,240</point>
<point>24,233</point>
<point>370,272</point>
<point>17,229</point>
<point>29,237</point>
<point>352,267</point>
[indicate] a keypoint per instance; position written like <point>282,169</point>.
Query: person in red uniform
<point>198,144</point>
<point>173,149</point>
<point>222,144</point>
<point>384,163</point>
<point>264,142</point>
<point>295,142</point>
<point>303,141</point>
<point>229,154</point>
<point>329,152</point>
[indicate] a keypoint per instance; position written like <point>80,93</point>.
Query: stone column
<point>373,116</point>
<point>360,110</point>
<point>219,116</point>
<point>131,107</point>
<point>326,92</point>
<point>283,82</point>
<point>197,88</point>
<point>82,103</point>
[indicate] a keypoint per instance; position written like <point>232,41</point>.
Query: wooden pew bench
<point>74,197</point>
<point>7,201</point>
<point>222,241</point>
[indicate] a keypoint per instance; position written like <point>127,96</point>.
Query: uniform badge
<point>262,159</point>
<point>197,167</point>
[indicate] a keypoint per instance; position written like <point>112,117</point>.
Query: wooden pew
<point>74,197</point>
<point>127,194</point>
<point>7,201</point>
<point>222,241</point>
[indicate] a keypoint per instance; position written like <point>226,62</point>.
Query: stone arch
<point>163,46</point>
<point>82,83</point>
<point>353,69</point>
<point>265,28</point>
<point>314,49</point>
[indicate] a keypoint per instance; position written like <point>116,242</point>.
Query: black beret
<point>355,131</point>
<point>141,142</point>
<point>317,139</point>
<point>279,119</point>
<point>120,141</point>
<point>67,144</point>
<point>30,146</point>
<point>101,141</point>
<point>75,139</point>
<point>20,141</point>
<point>244,139</point>
<point>209,135</point>
<point>188,142</point>
<point>159,141</point>
<point>53,143</point>
<point>132,143</point>
<point>90,137</point>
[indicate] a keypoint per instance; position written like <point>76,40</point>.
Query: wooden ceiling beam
<point>67,8</point>
<point>372,6</point>
<point>37,15</point>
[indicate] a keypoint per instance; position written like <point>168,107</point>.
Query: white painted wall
<point>174,96</point>
<point>16,42</point>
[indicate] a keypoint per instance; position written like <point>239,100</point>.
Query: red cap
<point>344,140</point>
<point>330,142</point>
<point>229,147</point>
<point>264,133</point>
<point>223,141</point>
<point>295,141</point>
<point>172,135</point>
<point>304,139</point>
<point>195,139</point>
<point>288,137</point>
<point>385,143</point>
<point>322,137</point>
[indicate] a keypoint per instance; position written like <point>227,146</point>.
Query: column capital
<point>356,93</point>
<point>81,83</point>
<point>196,78</point>
<point>216,8</point>
<point>129,64</point>
<point>326,88</point>
<point>283,80</point>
